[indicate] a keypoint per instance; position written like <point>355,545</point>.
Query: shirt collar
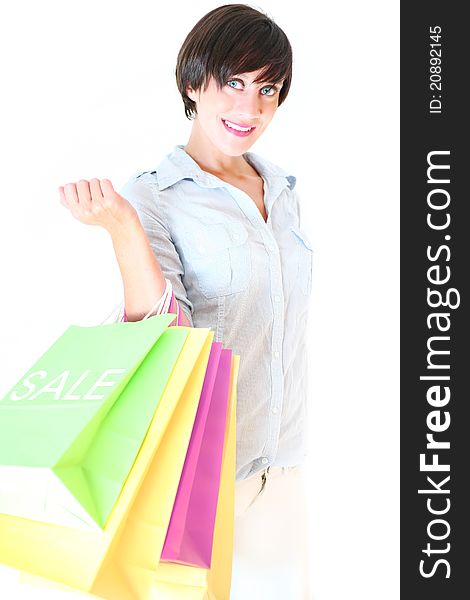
<point>179,165</point>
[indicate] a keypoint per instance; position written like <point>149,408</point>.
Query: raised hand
<point>96,202</point>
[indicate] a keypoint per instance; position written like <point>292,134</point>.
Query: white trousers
<point>271,554</point>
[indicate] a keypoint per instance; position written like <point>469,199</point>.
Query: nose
<point>249,106</point>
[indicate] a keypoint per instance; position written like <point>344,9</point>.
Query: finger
<point>106,187</point>
<point>71,195</point>
<point>83,189</point>
<point>62,197</point>
<point>95,189</point>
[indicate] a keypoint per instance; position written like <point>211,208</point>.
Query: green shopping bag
<point>68,465</point>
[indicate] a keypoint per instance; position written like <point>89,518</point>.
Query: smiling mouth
<point>237,129</point>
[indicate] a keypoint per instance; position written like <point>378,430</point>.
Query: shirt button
<point>275,409</point>
<point>264,461</point>
<point>276,354</point>
<point>277,298</point>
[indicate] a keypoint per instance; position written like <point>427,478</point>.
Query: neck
<point>211,159</point>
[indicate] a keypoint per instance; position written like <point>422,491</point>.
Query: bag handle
<point>161,306</point>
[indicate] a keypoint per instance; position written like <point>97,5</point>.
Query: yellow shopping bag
<point>73,557</point>
<point>133,571</point>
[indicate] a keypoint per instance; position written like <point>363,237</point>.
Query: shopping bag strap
<point>161,306</point>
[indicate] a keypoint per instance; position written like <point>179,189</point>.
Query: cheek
<point>268,116</point>
<point>215,107</point>
<point>272,112</point>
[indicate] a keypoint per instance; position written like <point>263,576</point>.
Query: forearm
<point>143,280</point>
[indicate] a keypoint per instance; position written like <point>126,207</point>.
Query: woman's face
<point>240,102</point>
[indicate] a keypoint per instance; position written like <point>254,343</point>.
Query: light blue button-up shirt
<point>246,279</point>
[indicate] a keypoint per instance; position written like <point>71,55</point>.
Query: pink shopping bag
<point>191,529</point>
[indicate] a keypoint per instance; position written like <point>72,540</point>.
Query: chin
<point>236,148</point>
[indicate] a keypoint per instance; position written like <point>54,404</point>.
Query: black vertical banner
<point>435,270</point>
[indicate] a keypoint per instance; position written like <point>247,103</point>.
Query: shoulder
<point>159,177</point>
<point>143,177</point>
<point>141,190</point>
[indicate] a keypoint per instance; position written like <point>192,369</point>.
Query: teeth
<point>237,127</point>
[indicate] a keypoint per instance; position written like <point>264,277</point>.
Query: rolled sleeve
<point>142,193</point>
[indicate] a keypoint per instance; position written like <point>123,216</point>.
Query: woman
<point>222,225</point>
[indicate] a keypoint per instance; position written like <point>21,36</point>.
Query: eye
<point>271,88</point>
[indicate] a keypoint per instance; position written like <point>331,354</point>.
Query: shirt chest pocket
<point>304,260</point>
<point>219,258</point>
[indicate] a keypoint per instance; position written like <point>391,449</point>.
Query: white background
<point>89,91</point>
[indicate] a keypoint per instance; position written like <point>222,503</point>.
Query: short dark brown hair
<point>231,39</point>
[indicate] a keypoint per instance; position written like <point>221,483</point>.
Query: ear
<point>191,93</point>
